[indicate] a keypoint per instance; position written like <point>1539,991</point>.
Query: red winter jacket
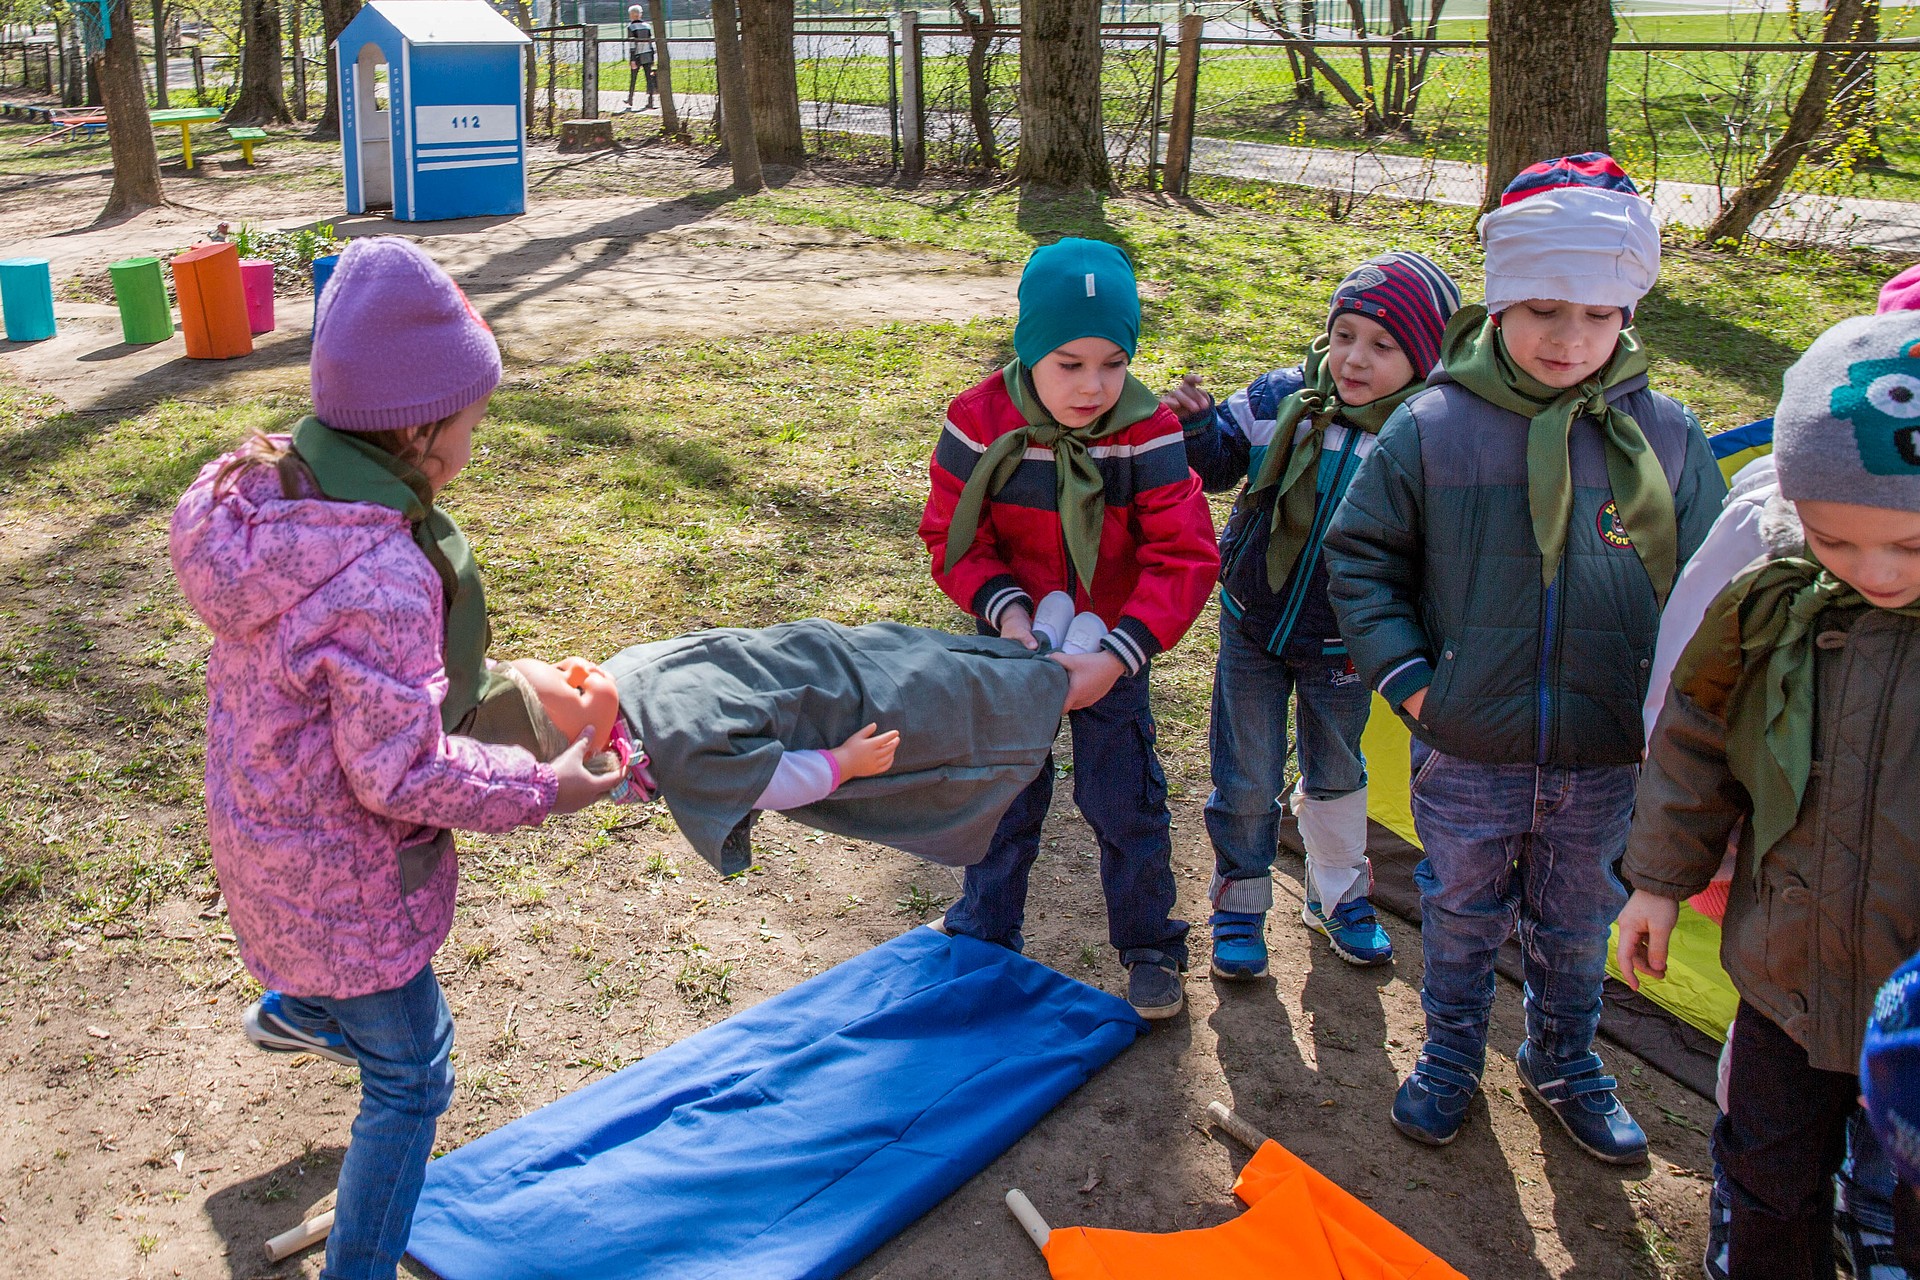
<point>1157,560</point>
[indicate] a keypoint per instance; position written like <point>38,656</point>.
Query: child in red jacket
<point>1062,472</point>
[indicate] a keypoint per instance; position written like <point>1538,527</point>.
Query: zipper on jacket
<point>1310,553</point>
<point>1543,685</point>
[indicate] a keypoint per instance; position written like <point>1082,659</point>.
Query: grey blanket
<point>714,711</point>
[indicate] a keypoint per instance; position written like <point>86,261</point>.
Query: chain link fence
<point>1362,120</point>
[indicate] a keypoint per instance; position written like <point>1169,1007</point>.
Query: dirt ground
<point>140,1135</point>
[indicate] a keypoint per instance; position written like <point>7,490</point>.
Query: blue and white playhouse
<point>431,122</point>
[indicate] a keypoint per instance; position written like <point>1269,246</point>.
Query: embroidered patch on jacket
<point>1612,532</point>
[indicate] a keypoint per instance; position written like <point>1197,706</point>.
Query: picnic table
<point>68,121</point>
<point>186,118</point>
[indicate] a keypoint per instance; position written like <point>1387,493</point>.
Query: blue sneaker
<point>1581,1094</point>
<point>1353,931</point>
<point>1432,1102</point>
<point>1239,945</point>
<point>267,1025</point>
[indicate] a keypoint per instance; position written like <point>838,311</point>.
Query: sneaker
<point>1581,1094</point>
<point>1432,1102</point>
<point>1239,945</point>
<point>1154,990</point>
<point>1353,931</point>
<point>1051,618</point>
<point>267,1025</point>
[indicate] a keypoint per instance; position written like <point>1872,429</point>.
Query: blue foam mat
<point>790,1140</point>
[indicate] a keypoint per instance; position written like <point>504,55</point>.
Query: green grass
<point>634,494</point>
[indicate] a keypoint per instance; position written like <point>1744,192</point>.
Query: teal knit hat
<point>1073,289</point>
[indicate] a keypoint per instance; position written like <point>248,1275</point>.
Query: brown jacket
<point>1835,907</point>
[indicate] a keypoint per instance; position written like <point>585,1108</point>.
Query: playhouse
<point>431,122</point>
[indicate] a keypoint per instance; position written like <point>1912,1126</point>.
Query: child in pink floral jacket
<point>349,639</point>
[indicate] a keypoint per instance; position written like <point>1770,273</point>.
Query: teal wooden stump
<point>140,291</point>
<point>26,299</point>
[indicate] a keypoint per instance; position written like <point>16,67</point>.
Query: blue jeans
<point>1247,740</point>
<point>404,1040</point>
<point>1118,784</point>
<point>1535,847</point>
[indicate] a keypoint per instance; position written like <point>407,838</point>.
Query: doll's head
<point>574,693</point>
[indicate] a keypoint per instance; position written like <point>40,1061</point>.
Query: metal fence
<point>1353,119</point>
<point>1691,122</point>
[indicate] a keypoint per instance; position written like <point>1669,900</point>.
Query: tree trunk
<point>670,126</point>
<point>1546,83</point>
<point>299,103</point>
<point>742,150</point>
<point>773,84</point>
<point>1062,133</point>
<point>136,166</point>
<point>1853,134</point>
<point>73,81</point>
<point>1816,98</point>
<point>979,110</point>
<point>334,17</point>
<point>160,53</point>
<point>262,98</point>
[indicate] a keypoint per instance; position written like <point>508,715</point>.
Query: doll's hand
<point>1017,624</point>
<point>579,785</point>
<point>1645,924</point>
<point>866,753</point>
<point>1186,399</point>
<point>1089,675</point>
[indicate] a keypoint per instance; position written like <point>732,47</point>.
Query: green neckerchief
<point>1288,463</point>
<point>1475,356</point>
<point>1752,662</point>
<point>1078,491</point>
<point>348,469</point>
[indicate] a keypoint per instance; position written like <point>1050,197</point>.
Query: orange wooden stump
<point>213,302</point>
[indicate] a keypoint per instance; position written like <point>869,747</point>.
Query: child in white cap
<point>1498,568</point>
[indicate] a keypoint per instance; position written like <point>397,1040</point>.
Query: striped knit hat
<point>1588,169</point>
<point>1407,295</point>
<point>1574,229</point>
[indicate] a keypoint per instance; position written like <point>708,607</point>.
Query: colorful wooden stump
<point>140,291</point>
<point>256,277</point>
<point>26,299</point>
<point>213,302</point>
<point>322,272</point>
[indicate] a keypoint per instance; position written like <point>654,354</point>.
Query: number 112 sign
<point>489,123</point>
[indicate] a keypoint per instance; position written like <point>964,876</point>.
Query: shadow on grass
<point>1712,343</point>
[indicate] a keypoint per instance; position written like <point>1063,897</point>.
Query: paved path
<point>1835,220</point>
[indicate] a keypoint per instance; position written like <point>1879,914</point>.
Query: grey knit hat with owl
<point>1848,425</point>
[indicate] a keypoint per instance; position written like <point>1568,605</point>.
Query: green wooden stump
<point>140,291</point>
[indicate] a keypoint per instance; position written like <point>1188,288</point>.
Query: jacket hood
<point>245,556</point>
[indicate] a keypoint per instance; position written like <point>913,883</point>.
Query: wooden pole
<point>304,1236</point>
<point>913,136</point>
<point>1186,85</point>
<point>1029,1219</point>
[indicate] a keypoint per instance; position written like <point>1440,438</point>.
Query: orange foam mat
<point>1299,1225</point>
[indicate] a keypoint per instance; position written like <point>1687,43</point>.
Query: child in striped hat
<point>1297,437</point>
<point>1498,568</point>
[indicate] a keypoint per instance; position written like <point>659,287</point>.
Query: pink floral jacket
<point>329,781</point>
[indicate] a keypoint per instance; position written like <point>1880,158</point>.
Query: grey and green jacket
<point>1437,580</point>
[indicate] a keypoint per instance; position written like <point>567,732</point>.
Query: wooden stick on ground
<point>307,1234</point>
<point>1029,1218</point>
<point>1242,1132</point>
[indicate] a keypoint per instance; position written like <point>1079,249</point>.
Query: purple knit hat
<point>396,343</point>
<point>1406,294</point>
